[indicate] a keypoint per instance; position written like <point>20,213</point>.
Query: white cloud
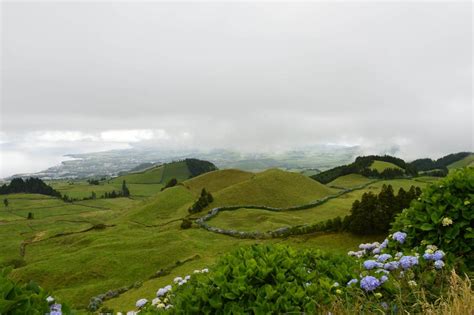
<point>134,135</point>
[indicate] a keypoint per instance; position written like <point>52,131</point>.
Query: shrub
<point>443,216</point>
<point>23,298</point>
<point>186,224</point>
<point>265,279</point>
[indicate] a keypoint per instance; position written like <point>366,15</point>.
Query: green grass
<point>380,166</point>
<point>349,181</point>
<point>468,161</point>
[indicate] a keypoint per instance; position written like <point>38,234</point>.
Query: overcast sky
<point>80,77</point>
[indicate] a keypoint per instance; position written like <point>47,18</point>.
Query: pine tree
<point>125,191</point>
<point>5,202</point>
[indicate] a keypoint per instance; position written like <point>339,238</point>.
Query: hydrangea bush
<point>443,216</point>
<point>260,279</point>
<point>26,299</point>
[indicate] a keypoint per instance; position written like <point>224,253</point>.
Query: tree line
<point>373,213</point>
<point>31,185</point>
<point>204,200</point>
<point>362,164</point>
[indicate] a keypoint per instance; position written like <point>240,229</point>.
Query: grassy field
<point>380,166</point>
<point>468,161</point>
<point>86,248</point>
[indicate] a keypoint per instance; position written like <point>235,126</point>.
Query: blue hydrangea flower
<point>369,283</point>
<point>370,264</point>
<point>391,265</point>
<point>352,281</point>
<point>408,261</point>
<point>428,256</point>
<point>438,255</point>
<point>439,264</point>
<point>376,250</point>
<point>383,279</point>
<point>399,237</point>
<point>384,257</point>
<point>384,244</point>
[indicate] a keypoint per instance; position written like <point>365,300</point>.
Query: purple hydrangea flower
<point>369,283</point>
<point>428,256</point>
<point>391,265</point>
<point>439,264</point>
<point>383,279</point>
<point>384,244</point>
<point>408,261</point>
<point>352,281</point>
<point>370,264</point>
<point>438,255</point>
<point>399,237</point>
<point>376,250</point>
<point>384,257</point>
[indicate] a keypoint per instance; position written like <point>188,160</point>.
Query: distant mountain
<point>116,162</point>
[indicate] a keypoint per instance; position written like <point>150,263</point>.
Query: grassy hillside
<point>117,242</point>
<point>161,174</point>
<point>274,188</point>
<point>349,181</point>
<point>262,220</point>
<point>217,180</point>
<point>468,161</point>
<point>381,166</point>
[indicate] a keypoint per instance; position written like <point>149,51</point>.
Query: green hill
<point>468,161</point>
<point>275,188</point>
<point>385,167</point>
<point>161,174</point>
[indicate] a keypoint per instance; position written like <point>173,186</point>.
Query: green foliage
<point>30,216</point>
<point>443,216</point>
<point>186,224</point>
<point>5,202</point>
<point>125,191</point>
<point>204,200</point>
<point>21,299</point>
<point>441,163</point>
<point>374,213</point>
<point>197,167</point>
<point>30,185</point>
<point>264,279</point>
<point>171,183</point>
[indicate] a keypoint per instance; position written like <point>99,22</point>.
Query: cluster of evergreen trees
<point>374,213</point>
<point>362,166</point>
<point>197,167</point>
<point>204,200</point>
<point>31,185</point>
<point>124,192</point>
<point>171,183</point>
